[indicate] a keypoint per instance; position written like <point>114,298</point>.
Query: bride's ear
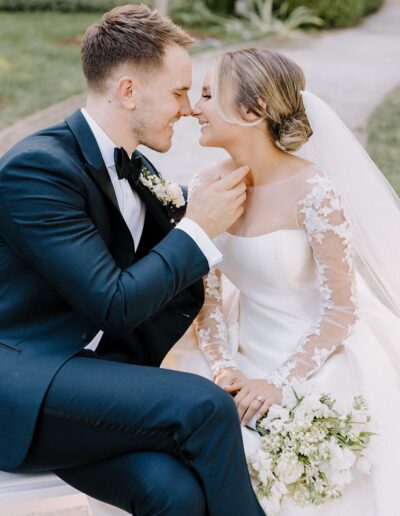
<point>250,115</point>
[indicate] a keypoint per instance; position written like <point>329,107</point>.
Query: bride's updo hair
<point>267,84</point>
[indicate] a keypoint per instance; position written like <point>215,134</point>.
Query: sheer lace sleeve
<point>321,214</point>
<point>211,327</point>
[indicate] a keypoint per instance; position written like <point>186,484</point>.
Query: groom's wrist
<point>203,241</point>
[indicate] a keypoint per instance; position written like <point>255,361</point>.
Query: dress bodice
<point>292,260</point>
<point>279,291</point>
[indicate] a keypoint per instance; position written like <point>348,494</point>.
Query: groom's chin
<point>160,147</point>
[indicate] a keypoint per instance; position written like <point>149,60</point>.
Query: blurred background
<point>348,49</point>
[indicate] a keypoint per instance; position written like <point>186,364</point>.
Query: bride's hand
<point>254,397</point>
<point>229,376</point>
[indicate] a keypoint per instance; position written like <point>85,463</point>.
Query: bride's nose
<point>196,111</point>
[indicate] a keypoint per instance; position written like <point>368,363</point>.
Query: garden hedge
<point>60,5</point>
<point>336,13</point>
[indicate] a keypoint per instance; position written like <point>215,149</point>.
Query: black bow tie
<point>126,167</point>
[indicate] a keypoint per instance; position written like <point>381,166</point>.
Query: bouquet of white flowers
<point>308,448</point>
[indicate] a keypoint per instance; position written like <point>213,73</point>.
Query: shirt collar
<point>106,145</point>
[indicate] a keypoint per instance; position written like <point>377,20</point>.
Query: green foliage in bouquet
<point>60,5</point>
<point>335,13</point>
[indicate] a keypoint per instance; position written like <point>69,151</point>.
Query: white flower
<point>276,419</point>
<point>289,469</point>
<point>359,416</point>
<point>271,505</point>
<point>309,448</point>
<point>288,397</point>
<point>303,415</point>
<point>363,465</point>
<point>166,192</point>
<point>338,468</point>
<point>176,195</point>
<point>339,478</point>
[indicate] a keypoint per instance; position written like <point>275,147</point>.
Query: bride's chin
<point>204,142</point>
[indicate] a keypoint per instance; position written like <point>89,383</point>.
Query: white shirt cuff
<point>201,238</point>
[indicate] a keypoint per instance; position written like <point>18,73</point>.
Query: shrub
<point>221,6</point>
<point>335,13</point>
<point>372,5</point>
<point>59,5</point>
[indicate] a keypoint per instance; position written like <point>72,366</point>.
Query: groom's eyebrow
<point>182,88</point>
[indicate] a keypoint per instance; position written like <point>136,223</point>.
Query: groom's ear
<point>126,90</point>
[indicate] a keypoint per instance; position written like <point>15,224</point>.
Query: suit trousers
<point>150,441</point>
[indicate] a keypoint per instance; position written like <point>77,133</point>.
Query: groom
<point>89,256</point>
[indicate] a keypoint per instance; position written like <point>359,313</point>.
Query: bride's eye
<point>206,96</point>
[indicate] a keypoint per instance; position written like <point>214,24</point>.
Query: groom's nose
<point>186,108</point>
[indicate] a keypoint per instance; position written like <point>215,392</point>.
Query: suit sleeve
<point>44,219</point>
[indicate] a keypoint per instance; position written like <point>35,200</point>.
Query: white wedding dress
<point>299,309</point>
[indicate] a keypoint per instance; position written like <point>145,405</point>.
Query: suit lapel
<point>94,163</point>
<point>154,206</point>
<point>95,166</point>
<point>158,211</point>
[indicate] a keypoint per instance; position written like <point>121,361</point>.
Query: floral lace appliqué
<point>330,238</point>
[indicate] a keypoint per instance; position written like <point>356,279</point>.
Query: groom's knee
<point>203,397</point>
<point>211,405</point>
<point>162,485</point>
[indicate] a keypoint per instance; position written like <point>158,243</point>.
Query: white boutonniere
<point>169,194</point>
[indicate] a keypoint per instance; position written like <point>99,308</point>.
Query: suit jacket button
<point>86,337</point>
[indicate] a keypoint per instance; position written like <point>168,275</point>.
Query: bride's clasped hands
<point>253,397</point>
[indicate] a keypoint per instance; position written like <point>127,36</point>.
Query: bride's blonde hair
<point>269,85</point>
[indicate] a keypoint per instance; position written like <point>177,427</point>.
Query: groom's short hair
<point>128,34</point>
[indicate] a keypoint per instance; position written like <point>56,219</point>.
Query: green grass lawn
<point>383,141</point>
<point>39,60</point>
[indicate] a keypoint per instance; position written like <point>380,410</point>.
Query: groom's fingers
<point>240,200</point>
<point>231,180</point>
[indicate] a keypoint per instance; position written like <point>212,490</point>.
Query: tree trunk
<point>161,5</point>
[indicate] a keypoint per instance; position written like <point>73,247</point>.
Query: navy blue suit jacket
<point>68,268</point>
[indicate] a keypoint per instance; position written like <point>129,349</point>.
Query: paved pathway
<point>351,69</point>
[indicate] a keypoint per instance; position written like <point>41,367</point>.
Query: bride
<point>313,261</point>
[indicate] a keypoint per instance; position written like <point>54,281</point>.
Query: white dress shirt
<point>133,209</point>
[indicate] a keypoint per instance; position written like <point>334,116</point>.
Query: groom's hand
<point>218,205</point>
